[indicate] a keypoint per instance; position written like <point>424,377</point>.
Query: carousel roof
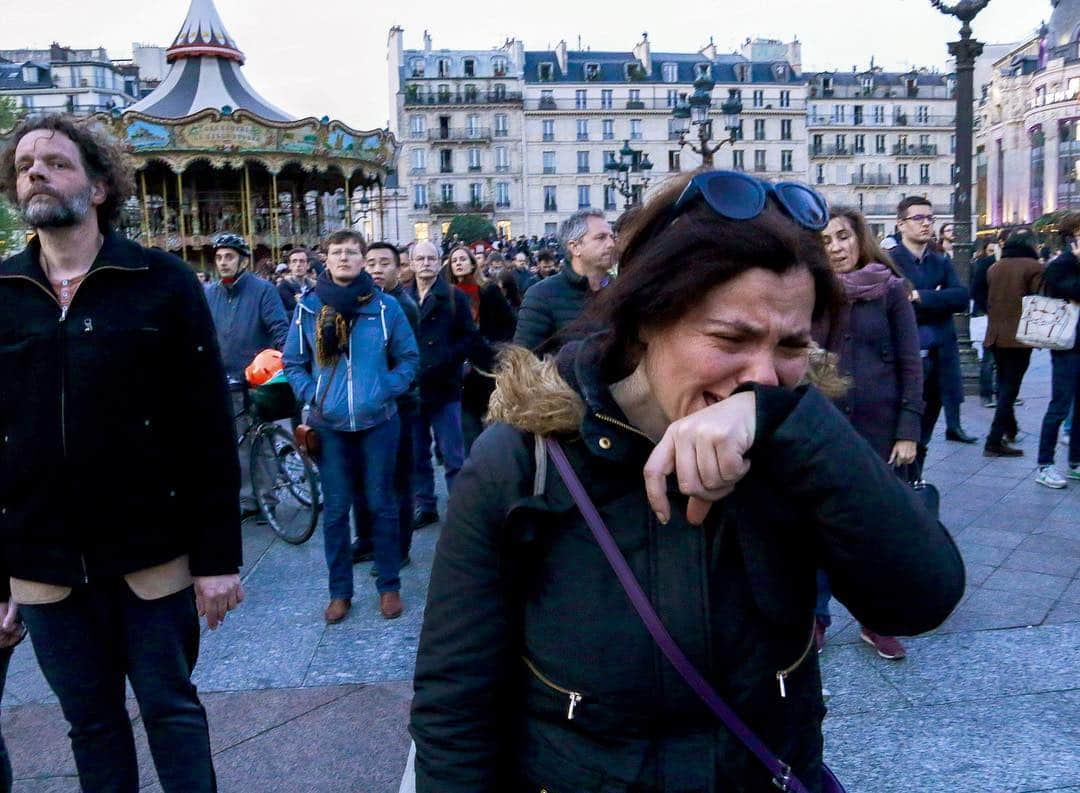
<point>205,72</point>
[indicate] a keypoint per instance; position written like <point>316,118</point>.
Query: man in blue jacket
<point>937,295</point>
<point>350,354</point>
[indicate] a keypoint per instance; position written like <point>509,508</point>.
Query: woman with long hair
<point>495,319</point>
<point>875,337</point>
<point>687,422</point>
<point>509,286</point>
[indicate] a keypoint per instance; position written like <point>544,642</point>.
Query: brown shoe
<point>337,610</point>
<point>390,605</point>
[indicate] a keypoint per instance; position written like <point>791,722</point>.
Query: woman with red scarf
<point>495,319</point>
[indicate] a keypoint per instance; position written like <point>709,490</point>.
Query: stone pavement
<point>988,703</point>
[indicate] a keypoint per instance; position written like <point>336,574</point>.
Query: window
<point>470,92</point>
<point>549,162</point>
<point>500,92</point>
<point>446,161</point>
<point>474,159</point>
<point>879,114</point>
<point>583,201</point>
<point>819,176</point>
<point>860,144</point>
<point>785,99</point>
<point>785,129</point>
<point>759,159</point>
<point>469,66</point>
<point>583,129</point>
<point>583,162</point>
<point>419,160</point>
<point>879,144</point>
<point>739,130</point>
<point>841,144</point>
<point>674,131</point>
<point>447,192</point>
<point>472,126</point>
<point>901,174</point>
<point>420,200</point>
<point>550,204</point>
<point>670,72</point>
<point>674,160</point>
<point>417,127</point>
<point>672,97</point>
<point>635,94</point>
<point>787,160</point>
<point>579,99</point>
<point>592,71</point>
<point>635,129</point>
<point>420,231</point>
<point>838,114</point>
<point>818,143</point>
<point>546,72</point>
<point>702,70</point>
<point>868,84</point>
<point>742,72</point>
<point>607,129</point>
<point>922,114</point>
<point>498,66</point>
<point>609,158</point>
<point>502,159</point>
<point>502,194</point>
<point>759,129</point>
<point>548,126</point>
<point>606,97</point>
<point>610,197</point>
<point>444,92</point>
<point>924,173</point>
<point>551,229</point>
<point>738,162</point>
<point>476,193</point>
<point>501,130</point>
<point>547,99</point>
<point>952,144</point>
<point>444,67</point>
<point>858,112</point>
<point>417,67</point>
<point>758,99</point>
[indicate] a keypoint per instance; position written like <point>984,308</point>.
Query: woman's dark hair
<point>103,157</point>
<point>666,268</point>
<point>869,249</point>
<point>1069,228</point>
<point>509,286</point>
<point>475,277</point>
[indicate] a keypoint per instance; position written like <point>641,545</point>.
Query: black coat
<point>549,306</point>
<point>518,576</point>
<point>447,338</point>
<point>1062,280</point>
<point>118,449</point>
<point>496,326</point>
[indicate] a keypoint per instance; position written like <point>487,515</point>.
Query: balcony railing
<point>830,151</point>
<point>872,180</point>
<point>658,103</point>
<point>460,134</point>
<point>920,150</point>
<point>461,207</point>
<point>899,121</point>
<point>463,98</point>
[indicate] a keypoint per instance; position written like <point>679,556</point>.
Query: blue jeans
<point>1064,396</point>
<point>987,375</point>
<point>365,458</point>
<point>445,422</point>
<point>824,595</point>
<point>403,468</point>
<point>5,761</point>
<point>87,644</point>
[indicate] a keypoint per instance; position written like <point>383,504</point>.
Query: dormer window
<point>671,72</point>
<point>780,70</point>
<point>469,66</point>
<point>868,84</point>
<point>702,70</point>
<point>592,71</point>
<point>498,67</point>
<point>417,67</point>
<point>635,71</point>
<point>546,72</point>
<point>912,84</point>
<point>742,72</point>
<point>444,67</point>
<point>826,83</point>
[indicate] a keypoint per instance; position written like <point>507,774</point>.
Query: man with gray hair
<point>555,302</point>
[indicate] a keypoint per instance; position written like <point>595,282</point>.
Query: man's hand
<point>914,296</point>
<point>903,453</point>
<point>707,452</point>
<point>11,631</point>
<point>217,595</point>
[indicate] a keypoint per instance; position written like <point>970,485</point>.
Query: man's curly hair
<point>103,157</point>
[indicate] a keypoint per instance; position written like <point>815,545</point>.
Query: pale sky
<point>329,57</point>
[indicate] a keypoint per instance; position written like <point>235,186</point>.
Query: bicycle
<point>284,482</point>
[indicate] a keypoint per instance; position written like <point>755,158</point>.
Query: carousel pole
<point>274,219</point>
<point>382,213</point>
<point>348,204</point>
<point>145,209</point>
<point>248,210</point>
<point>180,213</point>
<point>165,212</point>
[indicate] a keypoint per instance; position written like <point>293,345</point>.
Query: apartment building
<point>877,137</point>
<point>61,79</point>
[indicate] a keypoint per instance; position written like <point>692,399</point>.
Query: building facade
<point>1027,141</point>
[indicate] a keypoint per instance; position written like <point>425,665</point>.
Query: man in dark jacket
<point>937,295</point>
<point>1018,273</point>
<point>555,302</point>
<point>1063,281</point>
<point>298,279</point>
<point>118,480</point>
<point>988,254</point>
<point>447,337</point>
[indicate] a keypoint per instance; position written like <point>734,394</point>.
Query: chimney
<point>709,50</point>
<point>560,55</point>
<point>395,44</point>
<point>643,54</point>
<point>794,55</point>
<point>427,41</point>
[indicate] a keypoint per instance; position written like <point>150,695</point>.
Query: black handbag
<point>929,494</point>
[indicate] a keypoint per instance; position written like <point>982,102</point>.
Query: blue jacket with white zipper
<point>360,390</point>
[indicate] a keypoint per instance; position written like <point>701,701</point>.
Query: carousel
<point>213,156</point>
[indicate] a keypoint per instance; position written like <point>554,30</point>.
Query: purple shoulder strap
<point>781,771</point>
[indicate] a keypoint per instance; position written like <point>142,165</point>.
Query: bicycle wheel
<point>285,484</point>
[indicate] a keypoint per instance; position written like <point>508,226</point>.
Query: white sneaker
<point>1049,476</point>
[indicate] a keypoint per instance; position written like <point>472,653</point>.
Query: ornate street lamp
<point>965,51</point>
<point>619,171</point>
<point>695,111</point>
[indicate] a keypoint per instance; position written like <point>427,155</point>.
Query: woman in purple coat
<point>877,342</point>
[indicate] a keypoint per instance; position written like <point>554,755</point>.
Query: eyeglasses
<point>920,219</point>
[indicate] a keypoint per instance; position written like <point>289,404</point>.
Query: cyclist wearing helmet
<point>248,317</point>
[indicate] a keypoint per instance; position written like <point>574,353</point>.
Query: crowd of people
<point>733,335</point>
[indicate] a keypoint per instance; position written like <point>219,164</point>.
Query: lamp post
<point>695,112</point>
<point>965,51</point>
<point>629,161</point>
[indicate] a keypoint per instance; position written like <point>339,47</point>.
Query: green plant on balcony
<point>471,228</point>
<point>412,93</point>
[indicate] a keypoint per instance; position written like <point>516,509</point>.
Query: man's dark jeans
<point>364,459</point>
<point>988,387</point>
<point>87,644</point>
<point>403,470</point>
<point>5,761</point>
<point>933,404</point>
<point>445,421</point>
<point>1064,394</point>
<point>1012,365</point>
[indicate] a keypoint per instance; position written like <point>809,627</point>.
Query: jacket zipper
<point>625,426</point>
<point>348,372</point>
<point>573,696</point>
<point>783,674</point>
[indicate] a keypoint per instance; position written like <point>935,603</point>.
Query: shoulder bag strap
<point>781,771</point>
